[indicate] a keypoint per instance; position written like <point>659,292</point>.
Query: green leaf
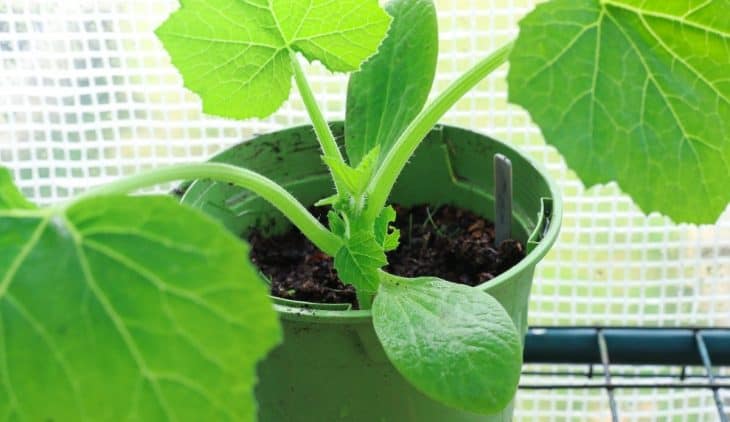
<point>454,343</point>
<point>128,309</point>
<point>386,235</point>
<point>359,260</point>
<point>634,91</point>
<point>235,53</point>
<point>393,85</point>
<point>336,223</point>
<point>355,179</point>
<point>10,196</point>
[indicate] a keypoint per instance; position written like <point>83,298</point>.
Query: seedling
<point>138,307</point>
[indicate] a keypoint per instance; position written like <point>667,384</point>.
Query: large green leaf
<point>235,53</point>
<point>128,309</point>
<point>393,85</point>
<point>634,91</point>
<point>454,343</point>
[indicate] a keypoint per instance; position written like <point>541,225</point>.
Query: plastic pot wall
<point>331,366</point>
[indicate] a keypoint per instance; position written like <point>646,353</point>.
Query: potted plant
<point>143,308</point>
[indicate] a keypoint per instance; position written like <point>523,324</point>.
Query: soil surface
<point>448,242</point>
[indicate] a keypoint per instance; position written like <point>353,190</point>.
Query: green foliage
<point>358,261</point>
<point>139,308</point>
<point>235,53</point>
<point>635,92</point>
<point>337,224</point>
<point>355,179</point>
<point>127,308</point>
<point>383,98</point>
<point>364,245</point>
<point>392,87</point>
<point>386,235</point>
<point>10,196</point>
<point>454,343</point>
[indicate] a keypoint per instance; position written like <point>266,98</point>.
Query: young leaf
<point>359,260</point>
<point>634,91</point>
<point>10,196</point>
<point>386,235</point>
<point>455,343</point>
<point>393,85</point>
<point>336,223</point>
<point>235,53</point>
<point>355,179</point>
<point>128,309</point>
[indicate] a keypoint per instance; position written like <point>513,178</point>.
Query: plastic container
<point>331,366</point>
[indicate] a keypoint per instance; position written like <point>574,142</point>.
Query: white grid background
<point>88,94</point>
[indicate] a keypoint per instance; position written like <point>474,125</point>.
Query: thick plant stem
<point>321,128</point>
<point>365,299</point>
<point>394,162</point>
<point>325,240</point>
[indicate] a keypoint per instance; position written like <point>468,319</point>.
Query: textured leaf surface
<point>454,343</point>
<point>235,53</point>
<point>634,91</point>
<point>393,85</point>
<point>358,261</point>
<point>128,309</point>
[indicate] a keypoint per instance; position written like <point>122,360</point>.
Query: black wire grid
<point>674,349</point>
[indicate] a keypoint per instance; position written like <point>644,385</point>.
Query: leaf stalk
<point>321,127</point>
<point>277,196</point>
<point>382,183</point>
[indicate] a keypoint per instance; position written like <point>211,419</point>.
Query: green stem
<point>394,162</point>
<point>364,299</point>
<point>321,128</point>
<point>325,240</point>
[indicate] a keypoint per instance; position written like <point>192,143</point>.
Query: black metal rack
<point>601,347</point>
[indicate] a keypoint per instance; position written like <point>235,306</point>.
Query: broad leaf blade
<point>235,53</point>
<point>128,308</point>
<point>635,92</point>
<point>341,34</point>
<point>454,343</point>
<point>393,85</point>
<point>10,196</point>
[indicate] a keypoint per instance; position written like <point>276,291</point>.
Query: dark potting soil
<point>448,242</point>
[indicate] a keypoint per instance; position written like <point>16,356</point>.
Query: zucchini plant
<point>115,306</point>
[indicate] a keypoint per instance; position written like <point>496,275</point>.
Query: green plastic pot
<point>331,366</point>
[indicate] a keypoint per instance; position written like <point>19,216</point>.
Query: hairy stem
<point>325,240</point>
<point>394,162</point>
<point>321,128</point>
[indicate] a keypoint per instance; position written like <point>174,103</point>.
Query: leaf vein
<point>668,17</point>
<point>118,323</point>
<point>22,256</point>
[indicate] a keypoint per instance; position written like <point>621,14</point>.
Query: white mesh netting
<point>88,94</point>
